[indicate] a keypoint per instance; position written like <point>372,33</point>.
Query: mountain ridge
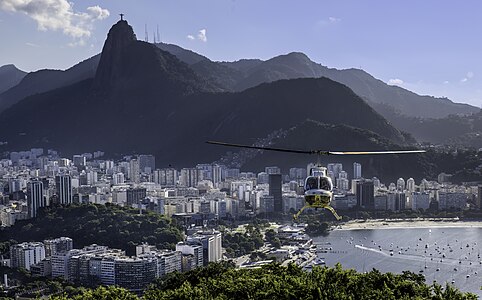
<point>46,79</point>
<point>10,76</point>
<point>362,83</point>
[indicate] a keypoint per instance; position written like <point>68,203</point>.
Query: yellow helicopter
<point>318,186</point>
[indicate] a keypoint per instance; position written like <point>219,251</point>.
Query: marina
<point>442,255</point>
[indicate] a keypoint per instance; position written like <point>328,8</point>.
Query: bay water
<point>442,254</point>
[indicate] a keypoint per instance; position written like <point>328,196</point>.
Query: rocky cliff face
<point>111,63</point>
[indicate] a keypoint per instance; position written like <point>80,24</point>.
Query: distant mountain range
<point>136,97</point>
<point>143,99</point>
<point>10,76</point>
<point>243,74</point>
<point>46,80</point>
<point>246,73</point>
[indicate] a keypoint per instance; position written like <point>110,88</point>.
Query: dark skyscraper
<point>365,194</point>
<point>135,195</point>
<point>35,197</point>
<point>63,183</point>
<point>147,163</point>
<point>275,191</point>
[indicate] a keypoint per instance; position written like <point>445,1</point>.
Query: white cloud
<point>446,82</point>
<point>58,15</point>
<point>97,12</point>
<point>334,20</point>
<point>76,43</point>
<point>329,21</point>
<point>468,76</point>
<point>395,81</point>
<point>32,45</point>
<point>202,35</point>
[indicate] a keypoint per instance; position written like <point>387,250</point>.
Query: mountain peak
<point>122,33</point>
<point>8,67</point>
<point>119,37</point>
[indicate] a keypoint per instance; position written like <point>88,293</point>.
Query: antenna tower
<point>146,38</point>
<point>158,35</point>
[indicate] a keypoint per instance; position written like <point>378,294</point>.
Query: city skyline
<point>425,47</point>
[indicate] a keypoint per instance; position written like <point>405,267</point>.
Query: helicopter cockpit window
<point>325,183</point>
<point>311,183</point>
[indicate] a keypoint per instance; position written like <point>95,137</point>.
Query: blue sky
<point>430,47</point>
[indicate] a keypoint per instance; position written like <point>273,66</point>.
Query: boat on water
<point>319,262</point>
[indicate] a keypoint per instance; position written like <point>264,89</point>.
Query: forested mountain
<point>143,99</point>
<point>244,74</point>
<point>47,80</point>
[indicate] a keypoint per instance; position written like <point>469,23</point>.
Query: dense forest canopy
<point>223,281</point>
<point>109,225</point>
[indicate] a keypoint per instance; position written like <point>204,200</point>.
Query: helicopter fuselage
<point>318,189</point>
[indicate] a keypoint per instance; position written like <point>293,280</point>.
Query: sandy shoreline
<point>402,224</point>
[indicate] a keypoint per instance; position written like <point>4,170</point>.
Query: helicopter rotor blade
<point>317,152</point>
<point>374,152</point>
<point>262,148</point>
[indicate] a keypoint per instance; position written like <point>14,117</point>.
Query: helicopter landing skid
<point>338,218</point>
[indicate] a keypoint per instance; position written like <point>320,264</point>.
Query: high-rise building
<point>35,197</point>
<point>190,177</point>
<point>168,262</point>
<point>297,174</point>
<point>26,254</point>
<point>275,191</point>
<point>134,171</point>
<point>135,195</point>
<point>147,163</point>
<point>217,174</point>
<point>211,244</point>
<point>191,249</point>
<point>58,245</point>
<point>335,168</point>
<point>166,177</point>
<point>424,185</point>
<point>134,273</point>
<point>365,194</point>
<point>421,201</point>
<point>400,184</point>
<point>376,182</point>
<point>263,178</point>
<point>266,204</point>
<point>272,170</point>
<point>79,161</point>
<point>63,183</point>
<point>397,201</point>
<point>206,170</point>
<point>231,173</point>
<point>118,178</point>
<point>411,185</point>
<point>61,262</point>
<point>357,170</point>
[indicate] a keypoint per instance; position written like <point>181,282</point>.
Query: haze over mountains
<point>239,75</point>
<point>138,97</point>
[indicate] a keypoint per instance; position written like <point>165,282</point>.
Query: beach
<point>407,223</point>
